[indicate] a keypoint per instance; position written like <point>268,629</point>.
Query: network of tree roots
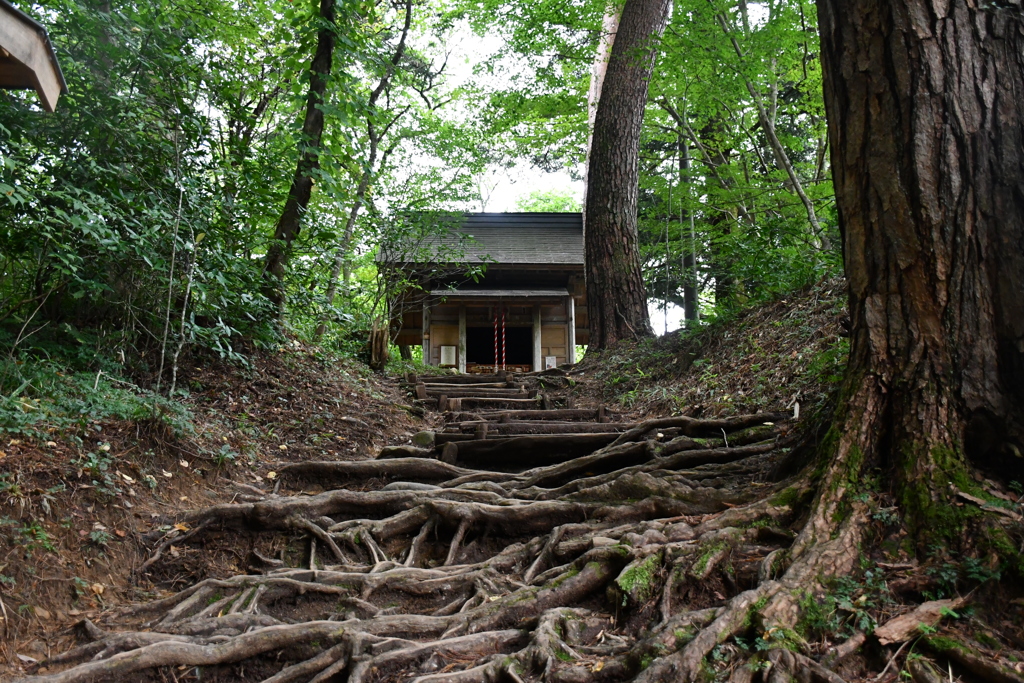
<point>638,559</point>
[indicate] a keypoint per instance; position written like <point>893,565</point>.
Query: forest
<point>143,213</point>
<point>217,464</point>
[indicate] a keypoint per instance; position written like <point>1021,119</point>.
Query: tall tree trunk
<point>615,285</point>
<point>927,138</point>
<point>341,252</point>
<point>691,284</point>
<point>290,223</point>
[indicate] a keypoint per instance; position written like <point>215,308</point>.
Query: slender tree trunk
<point>726,284</point>
<point>767,120</point>
<point>927,139</point>
<point>615,285</point>
<point>375,134</point>
<point>691,284</point>
<point>290,223</point>
<point>609,27</point>
<point>721,264</point>
<point>341,253</point>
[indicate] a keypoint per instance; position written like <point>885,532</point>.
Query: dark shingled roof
<point>522,238</point>
<point>525,237</point>
<point>459,293</point>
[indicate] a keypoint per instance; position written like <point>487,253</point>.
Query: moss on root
<point>931,519</point>
<point>708,551</point>
<point>638,580</point>
<point>943,644</point>
<point>996,540</point>
<point>754,613</point>
<point>562,578</point>
<point>787,497</point>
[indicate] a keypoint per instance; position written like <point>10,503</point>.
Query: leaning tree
<point>290,223</point>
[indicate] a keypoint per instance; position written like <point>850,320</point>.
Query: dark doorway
<point>518,345</point>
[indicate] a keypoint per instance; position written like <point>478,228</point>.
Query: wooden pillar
<point>426,331</point>
<point>570,317</point>
<point>538,361</point>
<point>462,339</point>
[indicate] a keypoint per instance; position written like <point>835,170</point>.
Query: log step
<point>462,392</point>
<point>480,385</point>
<point>460,379</point>
<point>441,438</point>
<point>458,404</point>
<point>527,451</point>
<point>541,427</point>
<point>585,414</point>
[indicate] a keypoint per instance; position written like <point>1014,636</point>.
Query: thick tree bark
<point>615,286</point>
<point>290,223</point>
<point>927,137</point>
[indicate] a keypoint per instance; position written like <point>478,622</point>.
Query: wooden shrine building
<point>526,311</point>
<point>27,59</point>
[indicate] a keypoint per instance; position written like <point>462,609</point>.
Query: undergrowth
<point>40,397</point>
<point>766,358</point>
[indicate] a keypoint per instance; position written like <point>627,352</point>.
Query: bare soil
<point>690,547</point>
<point>91,530</point>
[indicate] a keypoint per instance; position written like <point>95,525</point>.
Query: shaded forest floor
<point>81,500</point>
<point>268,543</point>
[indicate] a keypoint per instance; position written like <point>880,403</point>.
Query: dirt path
<point>525,540</point>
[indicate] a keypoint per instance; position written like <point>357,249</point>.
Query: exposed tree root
<point>585,570</point>
<point>788,666</point>
<point>979,667</point>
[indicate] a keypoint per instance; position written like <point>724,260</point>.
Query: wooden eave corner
<point>27,58</point>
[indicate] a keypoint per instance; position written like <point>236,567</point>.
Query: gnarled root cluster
<point>634,562</point>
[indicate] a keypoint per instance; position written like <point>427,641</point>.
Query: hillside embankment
<point>634,517</point>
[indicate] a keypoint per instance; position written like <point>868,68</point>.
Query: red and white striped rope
<point>495,340</point>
